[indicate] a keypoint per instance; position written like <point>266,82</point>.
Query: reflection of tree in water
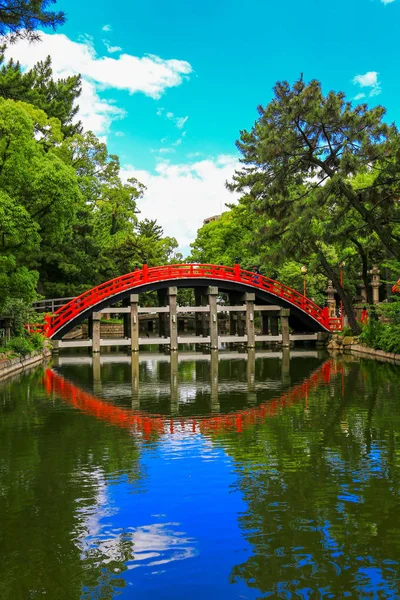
<point>55,466</point>
<point>321,481</point>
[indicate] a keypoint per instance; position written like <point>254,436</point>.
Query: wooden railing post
<point>236,271</point>
<point>145,271</point>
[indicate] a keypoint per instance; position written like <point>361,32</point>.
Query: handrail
<point>111,288</point>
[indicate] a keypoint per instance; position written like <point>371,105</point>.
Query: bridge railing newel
<point>145,271</point>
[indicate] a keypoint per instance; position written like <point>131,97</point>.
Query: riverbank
<point>16,364</point>
<point>359,350</point>
<point>348,344</point>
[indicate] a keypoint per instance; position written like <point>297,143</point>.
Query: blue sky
<point>174,116</point>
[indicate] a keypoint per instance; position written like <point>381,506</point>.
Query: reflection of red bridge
<point>156,424</point>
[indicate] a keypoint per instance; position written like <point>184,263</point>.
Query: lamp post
<point>304,273</point>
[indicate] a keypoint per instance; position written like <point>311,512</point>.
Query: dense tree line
<point>67,219</point>
<point>319,185</point>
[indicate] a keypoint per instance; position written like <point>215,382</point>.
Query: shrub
<point>20,345</point>
<point>381,336</point>
<point>346,331</point>
<point>37,340</point>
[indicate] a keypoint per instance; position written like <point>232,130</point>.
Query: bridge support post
<point>214,382</point>
<point>173,319</point>
<point>174,384</point>
<point>135,381</point>
<point>251,377</point>
<point>134,322</point>
<point>94,331</point>
<point>284,314</point>
<point>264,323</point>
<point>286,366</point>
<point>97,387</point>
<point>201,327</point>
<point>274,325</point>
<point>212,301</point>
<point>162,317</point>
<point>251,338</point>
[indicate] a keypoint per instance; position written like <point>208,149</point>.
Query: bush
<point>381,336</point>
<point>37,340</point>
<point>20,345</point>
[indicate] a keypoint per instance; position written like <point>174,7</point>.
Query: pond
<point>191,476</point>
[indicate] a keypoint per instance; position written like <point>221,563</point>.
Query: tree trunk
<point>347,304</point>
<point>364,269</point>
<point>382,232</point>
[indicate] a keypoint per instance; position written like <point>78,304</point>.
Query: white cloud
<point>111,49</point>
<point>150,75</point>
<point>369,80</point>
<point>106,28</point>
<point>387,1</point>
<point>166,150</point>
<point>180,122</point>
<point>359,96</point>
<point>180,196</point>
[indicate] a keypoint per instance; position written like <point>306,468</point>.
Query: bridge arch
<point>229,279</point>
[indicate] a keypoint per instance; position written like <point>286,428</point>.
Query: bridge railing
<point>182,271</point>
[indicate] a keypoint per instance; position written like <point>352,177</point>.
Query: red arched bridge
<point>304,312</point>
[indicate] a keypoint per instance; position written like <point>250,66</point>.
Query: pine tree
<point>20,19</point>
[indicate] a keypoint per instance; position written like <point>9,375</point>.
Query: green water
<point>220,477</point>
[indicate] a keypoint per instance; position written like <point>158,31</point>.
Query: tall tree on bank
<point>57,98</point>
<point>21,18</point>
<point>299,161</point>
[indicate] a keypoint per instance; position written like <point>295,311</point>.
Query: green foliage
<point>20,345</point>
<point>319,187</point>
<point>383,334</point>
<point>18,311</point>
<point>20,19</point>
<point>38,341</point>
<point>67,219</point>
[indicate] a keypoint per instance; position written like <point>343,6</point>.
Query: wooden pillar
<point>162,317</point>
<point>173,319</point>
<point>251,339</point>
<point>134,322</point>
<point>97,387</point>
<point>212,301</point>
<point>234,317</point>
<point>174,384</point>
<point>94,331</point>
<point>135,381</point>
<point>241,323</point>
<point>284,314</point>
<point>286,366</point>
<point>264,323</point>
<point>273,321</point>
<point>198,325</point>
<point>215,407</point>
<point>251,377</point>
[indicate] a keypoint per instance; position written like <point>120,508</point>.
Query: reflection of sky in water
<point>186,510</point>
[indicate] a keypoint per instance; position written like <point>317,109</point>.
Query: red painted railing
<point>185,271</point>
